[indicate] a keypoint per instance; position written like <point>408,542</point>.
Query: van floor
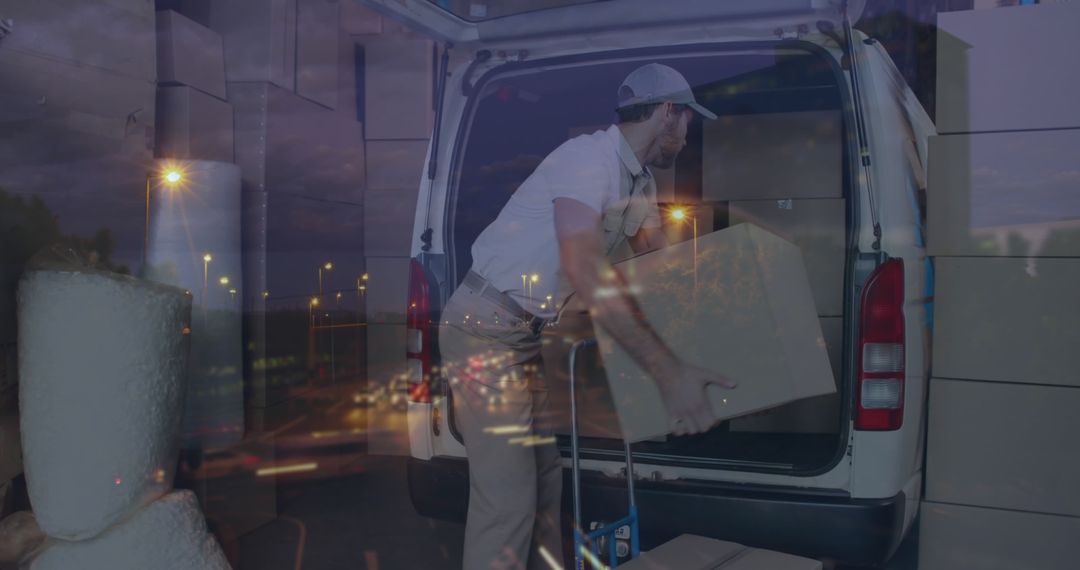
<point>800,452</point>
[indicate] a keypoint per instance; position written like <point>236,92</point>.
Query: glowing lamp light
<point>207,258</point>
<point>224,280</point>
<point>329,265</point>
<point>678,214</point>
<point>173,176</point>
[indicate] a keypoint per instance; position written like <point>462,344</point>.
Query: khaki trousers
<point>500,406</point>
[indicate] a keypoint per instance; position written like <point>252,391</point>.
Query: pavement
<point>345,504</point>
<point>363,521</point>
<point>366,521</point>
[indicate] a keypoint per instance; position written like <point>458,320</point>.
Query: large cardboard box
<point>982,85</point>
<point>820,414</point>
<point>818,227</point>
<point>27,78</point>
<point>1004,446</point>
<point>357,19</point>
<point>395,164</point>
<point>260,39</point>
<point>773,156</point>
<point>387,289</point>
<point>740,306</point>
<point>287,143</point>
<point>317,52</point>
<point>193,125</point>
<point>972,538</point>
<point>388,221</point>
<point>114,36</point>
<point>1007,319</point>
<point>399,88</point>
<point>1004,194</point>
<point>690,552</point>
<point>189,54</point>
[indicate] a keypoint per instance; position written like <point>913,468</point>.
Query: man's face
<point>672,138</point>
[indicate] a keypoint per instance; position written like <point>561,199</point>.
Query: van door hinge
<point>426,239</point>
<point>513,56</point>
<point>792,34</point>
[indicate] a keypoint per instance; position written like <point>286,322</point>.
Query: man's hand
<point>19,537</point>
<point>683,392</point>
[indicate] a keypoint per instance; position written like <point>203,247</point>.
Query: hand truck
<point>586,545</point>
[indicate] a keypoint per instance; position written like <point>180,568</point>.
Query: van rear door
<point>533,21</point>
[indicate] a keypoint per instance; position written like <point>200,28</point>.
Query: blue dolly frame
<point>586,545</point>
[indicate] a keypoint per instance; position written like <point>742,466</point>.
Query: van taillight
<point>418,335</point>
<point>879,397</point>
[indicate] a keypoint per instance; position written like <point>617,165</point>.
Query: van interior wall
<point>780,115</point>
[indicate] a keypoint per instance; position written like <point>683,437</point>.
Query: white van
<point>819,140</point>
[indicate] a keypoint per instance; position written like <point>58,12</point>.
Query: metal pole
<point>146,226</point>
<point>574,449</point>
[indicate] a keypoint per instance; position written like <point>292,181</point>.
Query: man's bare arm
<point>648,239</point>
<point>604,290</point>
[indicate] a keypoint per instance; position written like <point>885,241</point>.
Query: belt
<point>485,289</point>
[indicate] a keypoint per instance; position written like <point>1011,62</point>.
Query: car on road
<point>369,396</point>
<point>819,140</point>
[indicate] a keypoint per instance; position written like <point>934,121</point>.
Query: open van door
<point>472,22</point>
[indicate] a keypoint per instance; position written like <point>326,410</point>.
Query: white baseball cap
<point>656,83</point>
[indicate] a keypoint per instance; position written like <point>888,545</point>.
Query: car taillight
<point>418,335</point>
<point>879,397</point>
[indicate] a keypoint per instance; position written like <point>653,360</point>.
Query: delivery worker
<point>589,196</point>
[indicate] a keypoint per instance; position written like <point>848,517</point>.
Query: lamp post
<point>206,259</point>
<point>224,281</point>
<point>172,178</point>
<point>327,266</point>
<point>679,215</point>
<point>360,288</point>
<point>533,279</point>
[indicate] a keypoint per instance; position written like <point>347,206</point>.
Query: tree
<point>29,226</point>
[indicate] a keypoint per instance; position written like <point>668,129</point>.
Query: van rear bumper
<point>817,525</point>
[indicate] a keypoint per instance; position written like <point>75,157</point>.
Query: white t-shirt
<point>519,253</point>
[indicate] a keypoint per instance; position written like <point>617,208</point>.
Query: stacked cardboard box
<point>1000,479</point>
<point>317,51</point>
<point>193,125</point>
<point>189,54</point>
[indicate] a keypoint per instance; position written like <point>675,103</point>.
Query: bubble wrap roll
<point>102,367</point>
<point>169,534</point>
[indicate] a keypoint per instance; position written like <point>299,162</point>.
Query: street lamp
<point>679,214</point>
<point>314,302</point>
<point>326,266</point>
<point>172,178</point>
<point>360,288</point>
<point>533,279</point>
<point>206,259</point>
<point>224,282</point>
